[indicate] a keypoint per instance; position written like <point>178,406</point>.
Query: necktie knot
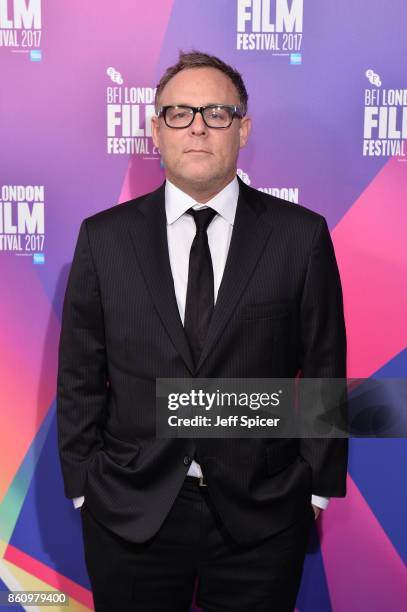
<point>202,218</point>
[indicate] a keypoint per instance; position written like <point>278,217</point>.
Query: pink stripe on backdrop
<point>361,564</point>
<point>137,181</point>
<point>28,362</point>
<point>371,248</point>
<point>49,576</point>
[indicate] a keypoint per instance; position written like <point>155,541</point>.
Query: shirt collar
<point>177,202</point>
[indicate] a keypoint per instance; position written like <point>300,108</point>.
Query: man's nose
<point>198,125</point>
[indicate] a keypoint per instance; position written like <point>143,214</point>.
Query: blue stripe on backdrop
<point>48,528</point>
<point>313,595</point>
<point>384,459</point>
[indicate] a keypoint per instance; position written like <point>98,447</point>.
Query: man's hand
<point>316,511</point>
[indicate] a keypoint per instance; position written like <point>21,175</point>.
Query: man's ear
<point>155,128</point>
<point>244,130</point>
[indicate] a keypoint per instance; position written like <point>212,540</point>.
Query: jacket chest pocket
<point>266,310</point>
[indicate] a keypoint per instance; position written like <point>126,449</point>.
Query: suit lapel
<point>249,236</point>
<point>149,237</point>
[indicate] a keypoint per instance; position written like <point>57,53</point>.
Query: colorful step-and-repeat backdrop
<point>328,97</point>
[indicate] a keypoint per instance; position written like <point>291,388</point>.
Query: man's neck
<point>201,195</point>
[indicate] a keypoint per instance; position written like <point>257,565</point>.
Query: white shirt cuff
<point>78,501</point>
<point>195,470</point>
<point>321,502</point>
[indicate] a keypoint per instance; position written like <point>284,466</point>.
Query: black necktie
<point>200,294</point>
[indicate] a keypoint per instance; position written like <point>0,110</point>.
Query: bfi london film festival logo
<point>290,194</point>
<point>129,111</point>
<point>20,27</point>
<point>385,120</point>
<point>270,25</point>
<point>22,220</point>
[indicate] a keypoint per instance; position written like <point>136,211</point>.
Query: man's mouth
<point>198,151</point>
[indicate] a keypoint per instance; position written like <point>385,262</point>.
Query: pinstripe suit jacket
<point>278,311</point>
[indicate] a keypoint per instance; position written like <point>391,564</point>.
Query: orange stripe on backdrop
<point>28,363</point>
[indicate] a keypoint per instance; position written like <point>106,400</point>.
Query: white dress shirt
<point>180,234</point>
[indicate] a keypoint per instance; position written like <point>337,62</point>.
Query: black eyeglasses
<point>218,116</point>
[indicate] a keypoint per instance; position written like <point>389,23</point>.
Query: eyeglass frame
<point>236,112</point>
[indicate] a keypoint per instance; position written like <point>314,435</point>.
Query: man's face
<point>198,158</point>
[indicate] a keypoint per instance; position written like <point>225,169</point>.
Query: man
<point>204,277</point>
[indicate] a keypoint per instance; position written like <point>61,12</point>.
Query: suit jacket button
<point>187,460</point>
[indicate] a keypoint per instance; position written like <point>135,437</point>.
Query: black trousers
<point>160,575</point>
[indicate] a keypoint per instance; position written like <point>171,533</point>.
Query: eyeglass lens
<point>214,116</point>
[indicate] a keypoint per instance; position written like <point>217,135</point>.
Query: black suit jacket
<point>278,311</point>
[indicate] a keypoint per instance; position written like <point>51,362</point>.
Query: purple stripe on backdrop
<point>56,112</point>
<point>308,119</point>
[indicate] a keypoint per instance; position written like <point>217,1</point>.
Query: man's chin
<point>199,180</point>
